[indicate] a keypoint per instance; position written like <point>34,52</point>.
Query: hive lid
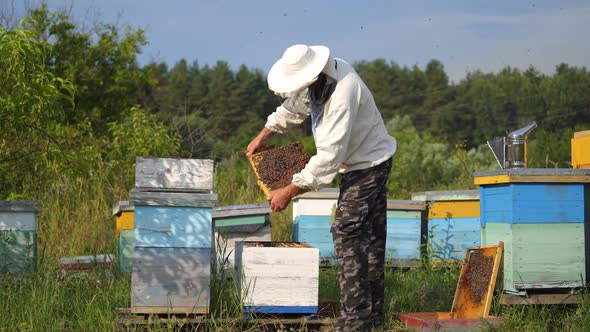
<point>532,175</point>
<point>475,288</point>
<point>325,193</point>
<point>241,210</point>
<point>174,174</point>
<point>20,206</point>
<point>122,206</point>
<point>187,199</point>
<point>446,195</point>
<point>398,204</point>
<point>275,167</point>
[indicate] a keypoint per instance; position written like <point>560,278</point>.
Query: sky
<point>465,35</point>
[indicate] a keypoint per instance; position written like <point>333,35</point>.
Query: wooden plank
<point>447,195</point>
<point>170,278</point>
<point>239,221</point>
<point>18,251</point>
<point>87,262</point>
<point>401,214</point>
<point>151,198</point>
<point>20,206</point>
<point>18,221</point>
<point>121,206</point>
<point>241,210</point>
<point>509,299</point>
<point>453,209</point>
<point>165,226</point>
<point>412,205</point>
<point>170,173</point>
<point>532,175</point>
<point>169,310</point>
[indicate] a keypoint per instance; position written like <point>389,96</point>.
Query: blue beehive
<point>173,236</point>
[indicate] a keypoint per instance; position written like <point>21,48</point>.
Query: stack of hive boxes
<point>542,217</point>
<point>173,235</point>
<point>18,236</point>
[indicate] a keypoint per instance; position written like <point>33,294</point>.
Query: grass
<point>76,220</point>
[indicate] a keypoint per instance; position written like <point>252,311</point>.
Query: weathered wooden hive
<point>124,220</point>
<point>278,277</point>
<point>18,236</point>
<point>406,232</point>
<point>453,222</point>
<point>173,235</point>
<point>275,167</point>
<point>541,215</point>
<point>239,223</point>
<point>313,213</point>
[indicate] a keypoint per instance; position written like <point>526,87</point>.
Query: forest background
<point>76,108</point>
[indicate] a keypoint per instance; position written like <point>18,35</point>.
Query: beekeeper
<point>350,139</point>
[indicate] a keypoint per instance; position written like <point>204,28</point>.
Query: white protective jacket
<point>351,135</point>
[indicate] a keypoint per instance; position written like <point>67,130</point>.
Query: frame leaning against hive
<point>258,158</point>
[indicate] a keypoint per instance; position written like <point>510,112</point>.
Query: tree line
<point>94,101</point>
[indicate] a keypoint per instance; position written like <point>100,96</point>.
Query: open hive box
<point>275,167</point>
<point>473,295</point>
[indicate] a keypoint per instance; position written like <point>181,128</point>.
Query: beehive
<point>173,236</point>
<point>239,223</point>
<point>123,212</point>
<point>18,236</point>
<point>313,213</point>
<point>541,215</point>
<point>406,232</point>
<point>580,148</point>
<point>275,167</point>
<point>453,222</point>
<point>278,277</point>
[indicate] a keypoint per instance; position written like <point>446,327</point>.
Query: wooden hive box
<point>124,220</point>
<point>278,277</point>
<point>541,215</point>
<point>580,148</point>
<point>406,232</point>
<point>18,236</point>
<point>313,213</point>
<point>173,236</point>
<point>239,223</point>
<point>275,167</point>
<point>453,222</point>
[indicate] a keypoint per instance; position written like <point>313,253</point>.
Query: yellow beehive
<point>581,150</point>
<point>124,216</point>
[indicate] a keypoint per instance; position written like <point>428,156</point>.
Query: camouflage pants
<point>359,233</point>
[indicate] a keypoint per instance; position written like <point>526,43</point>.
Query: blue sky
<point>463,34</point>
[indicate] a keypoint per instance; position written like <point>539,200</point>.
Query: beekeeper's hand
<point>259,142</point>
